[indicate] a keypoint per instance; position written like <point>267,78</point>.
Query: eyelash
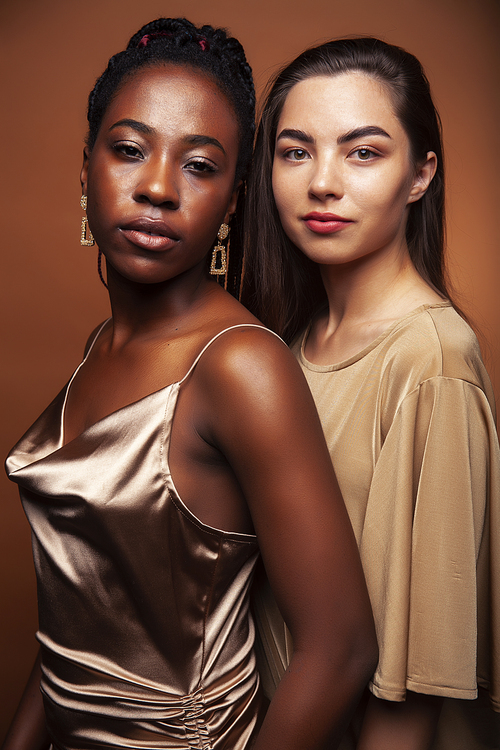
<point>206,166</point>
<point>367,150</point>
<point>127,148</point>
<point>290,153</point>
<point>196,165</point>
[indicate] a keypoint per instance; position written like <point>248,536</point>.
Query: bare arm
<point>28,731</point>
<point>269,431</point>
<point>410,725</point>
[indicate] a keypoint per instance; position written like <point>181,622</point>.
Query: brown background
<point>52,52</point>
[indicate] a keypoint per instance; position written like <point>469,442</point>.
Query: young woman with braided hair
<point>184,444</point>
<point>346,245</point>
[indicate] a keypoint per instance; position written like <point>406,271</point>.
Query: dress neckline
<point>61,442</point>
<point>370,347</point>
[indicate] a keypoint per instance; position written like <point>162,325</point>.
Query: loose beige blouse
<point>410,426</point>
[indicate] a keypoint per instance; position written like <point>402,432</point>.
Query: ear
<point>423,177</point>
<point>85,170</point>
<point>232,203</point>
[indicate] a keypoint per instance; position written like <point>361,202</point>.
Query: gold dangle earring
<point>220,269</point>
<point>84,239</point>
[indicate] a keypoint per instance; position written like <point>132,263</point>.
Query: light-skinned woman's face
<point>343,176</point>
<point>160,177</point>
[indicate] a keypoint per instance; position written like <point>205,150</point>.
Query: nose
<point>326,179</point>
<point>157,184</point>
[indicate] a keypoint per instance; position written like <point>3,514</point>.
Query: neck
<point>144,310</point>
<point>377,287</point>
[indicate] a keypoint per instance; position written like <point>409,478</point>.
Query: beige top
<point>409,422</point>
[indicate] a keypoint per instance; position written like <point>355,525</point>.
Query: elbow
<point>354,653</point>
<point>348,656</point>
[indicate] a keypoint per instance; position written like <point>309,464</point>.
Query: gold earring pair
<point>219,267</point>
<point>85,239</point>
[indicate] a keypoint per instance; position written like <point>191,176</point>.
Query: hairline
<point>391,89</point>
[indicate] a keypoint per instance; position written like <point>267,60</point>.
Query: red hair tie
<point>147,38</point>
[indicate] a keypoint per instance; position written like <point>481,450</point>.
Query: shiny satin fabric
<point>143,610</point>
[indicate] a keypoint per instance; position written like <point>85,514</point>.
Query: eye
<point>296,154</point>
<point>128,149</point>
<point>364,154</point>
<point>200,165</point>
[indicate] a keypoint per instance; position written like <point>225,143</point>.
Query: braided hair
<point>208,49</point>
<point>177,40</point>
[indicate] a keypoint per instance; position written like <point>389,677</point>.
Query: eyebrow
<point>194,140</point>
<point>299,135</point>
<point>140,127</point>
<point>204,140</point>
<point>352,135</point>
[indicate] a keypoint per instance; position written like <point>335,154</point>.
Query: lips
<point>150,234</point>
<point>325,223</point>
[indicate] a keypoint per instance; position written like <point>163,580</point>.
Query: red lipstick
<point>150,234</point>
<point>325,223</point>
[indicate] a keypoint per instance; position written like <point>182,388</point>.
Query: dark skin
<point>247,453</point>
<point>407,725</point>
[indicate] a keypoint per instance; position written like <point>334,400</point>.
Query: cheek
<point>275,182</point>
<point>100,186</point>
<point>397,201</point>
<point>382,195</point>
<point>282,193</point>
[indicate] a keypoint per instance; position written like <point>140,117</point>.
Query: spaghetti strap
<point>231,328</point>
<point>63,408</point>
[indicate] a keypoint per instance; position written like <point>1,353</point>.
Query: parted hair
<point>209,50</point>
<point>283,287</point>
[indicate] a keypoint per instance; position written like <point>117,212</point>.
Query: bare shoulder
<point>247,351</point>
<point>250,372</point>
<point>237,338</point>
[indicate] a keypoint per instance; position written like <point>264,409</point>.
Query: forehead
<point>345,100</point>
<point>172,97</point>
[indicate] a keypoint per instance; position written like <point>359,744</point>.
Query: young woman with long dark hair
<point>345,260</point>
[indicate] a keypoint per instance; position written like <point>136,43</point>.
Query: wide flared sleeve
<point>430,545</point>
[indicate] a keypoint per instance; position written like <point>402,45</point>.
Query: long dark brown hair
<point>282,286</point>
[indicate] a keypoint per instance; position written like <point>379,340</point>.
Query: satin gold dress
<point>144,626</point>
